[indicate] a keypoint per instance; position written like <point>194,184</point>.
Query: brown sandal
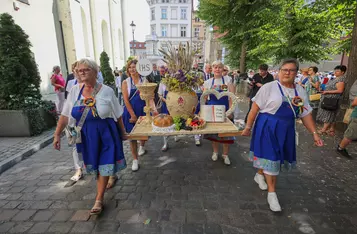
<point>97,208</point>
<point>111,182</point>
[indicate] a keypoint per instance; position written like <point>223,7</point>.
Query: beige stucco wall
<point>37,21</point>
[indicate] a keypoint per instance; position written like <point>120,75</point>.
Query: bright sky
<point>139,12</point>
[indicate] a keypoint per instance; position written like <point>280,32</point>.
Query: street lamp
<point>133,26</point>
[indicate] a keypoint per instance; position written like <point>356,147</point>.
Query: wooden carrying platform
<point>143,131</point>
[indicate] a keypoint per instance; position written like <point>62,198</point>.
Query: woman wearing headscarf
<point>274,111</point>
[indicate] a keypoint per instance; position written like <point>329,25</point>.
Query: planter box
<point>15,123</point>
<point>50,120</point>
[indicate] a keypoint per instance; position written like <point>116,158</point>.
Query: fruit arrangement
<point>195,123</point>
<point>188,124</point>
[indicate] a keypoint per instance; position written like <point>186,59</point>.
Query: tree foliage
<point>273,30</point>
<point>106,70</point>
<point>19,76</point>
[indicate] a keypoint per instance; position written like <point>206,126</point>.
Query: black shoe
<point>343,152</point>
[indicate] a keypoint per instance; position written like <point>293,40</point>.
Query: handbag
<point>347,117</point>
<point>315,97</point>
<point>330,104</point>
<point>73,134</point>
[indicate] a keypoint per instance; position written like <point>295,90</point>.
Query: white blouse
<point>269,98</point>
<point>208,83</point>
<point>107,104</point>
<point>162,89</point>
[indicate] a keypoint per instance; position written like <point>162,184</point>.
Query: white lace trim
<point>163,129</point>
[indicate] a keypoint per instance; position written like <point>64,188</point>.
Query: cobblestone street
<point>183,191</point>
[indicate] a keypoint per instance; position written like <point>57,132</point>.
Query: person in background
<point>220,84</point>
<point>72,82</point>
<point>100,76</point>
<point>334,90</point>
<point>304,78</point>
<point>208,72</point>
<point>273,114</point>
<point>118,81</point>
<point>351,132</point>
<point>314,81</point>
<point>69,78</point>
<point>133,108</point>
<point>78,164</point>
<point>58,82</point>
<point>258,80</point>
<point>102,131</point>
<point>155,75</point>
<point>116,71</point>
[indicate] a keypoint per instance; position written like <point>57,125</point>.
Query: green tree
<point>19,76</point>
<point>106,69</point>
<point>260,30</point>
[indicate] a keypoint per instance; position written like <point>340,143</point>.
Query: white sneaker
<point>176,139</point>
<point>260,181</point>
<point>197,142</point>
<point>226,160</point>
<point>135,165</point>
<point>141,151</point>
<point>274,202</point>
<point>214,157</point>
<point>164,148</point>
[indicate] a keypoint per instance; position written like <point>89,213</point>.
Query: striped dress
<point>327,116</point>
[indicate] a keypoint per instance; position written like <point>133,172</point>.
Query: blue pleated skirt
<point>273,143</point>
<point>102,147</point>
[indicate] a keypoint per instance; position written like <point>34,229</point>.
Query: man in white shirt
<point>208,72</point>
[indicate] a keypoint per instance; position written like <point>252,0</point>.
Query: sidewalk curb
<point>10,162</point>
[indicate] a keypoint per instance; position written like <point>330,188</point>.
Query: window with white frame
<point>164,30</point>
<point>182,1</point>
<point>153,14</point>
<point>164,13</point>
<point>183,13</point>
<point>173,13</point>
<point>183,31</point>
<point>197,19</point>
<point>165,1</point>
<point>197,32</point>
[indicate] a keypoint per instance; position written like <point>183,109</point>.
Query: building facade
<point>213,47</point>
<point>137,49</point>
<point>64,31</point>
<point>171,21</point>
<point>198,39</point>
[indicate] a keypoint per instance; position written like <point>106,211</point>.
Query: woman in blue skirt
<point>275,109</point>
<point>133,109</point>
<point>221,84</point>
<point>97,113</point>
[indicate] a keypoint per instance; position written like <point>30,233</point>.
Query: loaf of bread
<point>163,120</point>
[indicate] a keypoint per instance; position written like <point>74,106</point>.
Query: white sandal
<point>77,176</point>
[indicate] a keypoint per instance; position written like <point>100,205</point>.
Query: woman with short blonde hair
<point>99,128</point>
<point>221,84</point>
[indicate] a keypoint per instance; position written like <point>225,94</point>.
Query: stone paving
<point>15,149</point>
<point>183,191</point>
